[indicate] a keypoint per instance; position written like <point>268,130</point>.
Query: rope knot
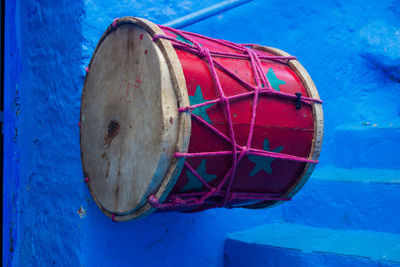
<point>224,101</point>
<point>153,201</point>
<point>245,150</point>
<point>202,51</point>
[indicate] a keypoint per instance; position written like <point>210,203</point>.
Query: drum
<point>176,121</point>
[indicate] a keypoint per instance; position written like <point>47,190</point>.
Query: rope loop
<point>157,36</point>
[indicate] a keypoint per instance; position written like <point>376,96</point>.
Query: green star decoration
<point>194,182</point>
<point>198,99</point>
<point>180,38</point>
<point>273,80</point>
<point>263,163</point>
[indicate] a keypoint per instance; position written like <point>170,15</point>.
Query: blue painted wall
<point>351,50</point>
<point>11,156</point>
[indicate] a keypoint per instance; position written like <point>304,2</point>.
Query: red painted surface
<point>277,120</point>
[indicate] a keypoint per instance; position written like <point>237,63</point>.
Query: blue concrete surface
<point>368,145</point>
<point>50,188</point>
<point>204,13</point>
<point>358,175</point>
<point>349,199</point>
<point>11,156</point>
<point>350,50</point>
<point>99,14</point>
<point>297,245</point>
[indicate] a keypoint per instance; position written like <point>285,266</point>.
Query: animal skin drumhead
<point>130,125</point>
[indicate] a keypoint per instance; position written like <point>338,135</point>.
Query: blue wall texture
<point>351,50</point>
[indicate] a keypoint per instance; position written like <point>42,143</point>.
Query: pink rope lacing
<point>262,87</point>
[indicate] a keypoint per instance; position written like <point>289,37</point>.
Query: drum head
<point>130,125</point>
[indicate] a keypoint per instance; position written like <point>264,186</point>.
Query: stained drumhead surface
<point>129,119</point>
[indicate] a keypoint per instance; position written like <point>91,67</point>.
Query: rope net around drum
<point>262,87</point>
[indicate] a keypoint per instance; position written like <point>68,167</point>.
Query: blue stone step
<point>371,145</point>
<point>366,199</point>
<point>297,245</point>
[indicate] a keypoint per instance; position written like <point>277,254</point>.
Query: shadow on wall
<point>167,239</point>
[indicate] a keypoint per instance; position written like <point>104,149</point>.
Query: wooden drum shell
<point>279,127</point>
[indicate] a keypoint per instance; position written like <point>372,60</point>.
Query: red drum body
<point>279,127</point>
<point>255,130</point>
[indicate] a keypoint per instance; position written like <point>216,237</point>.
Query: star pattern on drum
<point>194,183</point>
<point>198,99</point>
<point>263,163</point>
<point>180,38</point>
<point>273,80</point>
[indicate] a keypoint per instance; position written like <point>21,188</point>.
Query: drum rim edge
<point>184,132</point>
<point>316,145</point>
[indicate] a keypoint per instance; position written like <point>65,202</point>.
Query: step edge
<point>235,236</point>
